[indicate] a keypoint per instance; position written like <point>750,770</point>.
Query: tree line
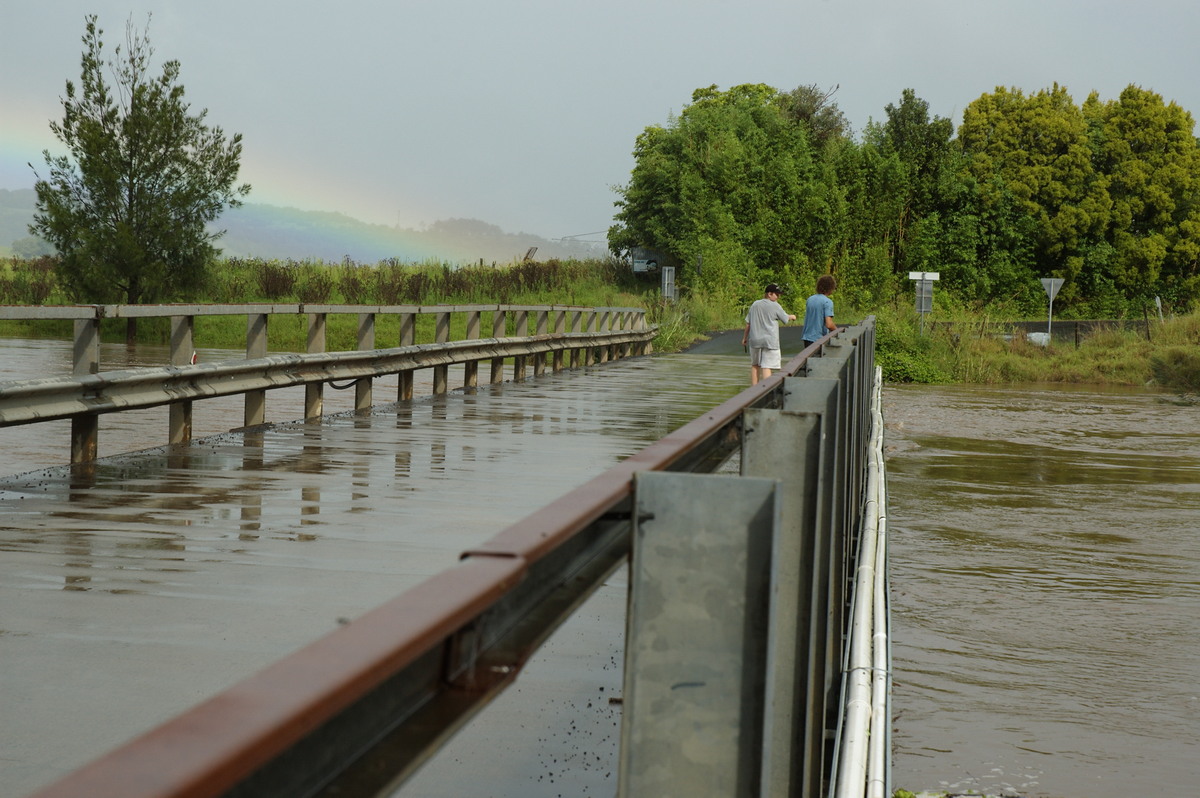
<point>752,185</point>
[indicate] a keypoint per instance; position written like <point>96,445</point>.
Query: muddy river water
<point>1045,564</point>
<point>1045,550</point>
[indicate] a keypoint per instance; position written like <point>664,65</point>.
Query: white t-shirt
<point>762,318</point>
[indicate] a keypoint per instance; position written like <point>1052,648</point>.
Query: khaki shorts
<point>764,358</point>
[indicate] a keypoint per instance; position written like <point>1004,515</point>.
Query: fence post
<point>576,326</point>
<point>499,330</point>
<point>540,327</point>
<point>366,341</point>
<point>471,370</point>
<point>441,334</point>
<point>256,347</point>
<point>560,327</point>
<point>85,430</point>
<point>605,326</point>
<point>522,331</point>
<point>179,419</point>
<point>314,392</point>
<point>407,336</point>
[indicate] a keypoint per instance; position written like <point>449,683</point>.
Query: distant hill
<point>269,231</point>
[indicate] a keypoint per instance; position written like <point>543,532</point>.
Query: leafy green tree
<point>1149,157</point>
<point>127,209</point>
<point>1036,150</point>
<point>730,183</point>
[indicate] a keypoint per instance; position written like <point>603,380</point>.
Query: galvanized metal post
<point>695,661</point>
<point>823,398</point>
<point>314,392</point>
<point>366,342</point>
<point>256,347</point>
<point>179,417</point>
<point>788,446</point>
<point>85,430</point>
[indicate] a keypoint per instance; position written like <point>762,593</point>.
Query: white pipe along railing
<point>862,759</point>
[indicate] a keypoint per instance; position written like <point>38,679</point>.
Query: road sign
<point>1052,284</point>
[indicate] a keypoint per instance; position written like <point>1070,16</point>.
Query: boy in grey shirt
<point>762,333</point>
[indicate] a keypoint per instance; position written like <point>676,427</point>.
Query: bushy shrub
<point>29,281</point>
<point>1177,369</point>
<point>275,280</point>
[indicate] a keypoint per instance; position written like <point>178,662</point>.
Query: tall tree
<point>730,182</point>
<point>1036,150</point>
<point>127,208</point>
<point>1147,151</point>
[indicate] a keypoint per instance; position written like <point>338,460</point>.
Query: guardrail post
<point>499,330</point>
<point>560,327</point>
<point>408,323</point>
<point>471,370</point>
<point>540,328</point>
<point>363,393</point>
<point>576,326</point>
<point>179,417</point>
<point>85,430</point>
<point>695,656</point>
<point>604,324</point>
<point>589,352</point>
<point>314,392</point>
<point>522,331</point>
<point>256,347</point>
<point>441,335</point>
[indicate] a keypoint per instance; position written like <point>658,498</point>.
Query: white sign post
<point>1051,284</point>
<point>924,282</point>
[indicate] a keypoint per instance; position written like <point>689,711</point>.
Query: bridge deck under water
<point>171,574</point>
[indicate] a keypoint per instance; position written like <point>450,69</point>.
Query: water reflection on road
<point>1045,568</point>
<point>163,576</point>
<point>1046,584</point>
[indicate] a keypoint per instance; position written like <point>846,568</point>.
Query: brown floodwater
<point>1045,566</point>
<point>1045,571</point>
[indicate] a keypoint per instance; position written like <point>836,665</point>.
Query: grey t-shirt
<point>762,318</point>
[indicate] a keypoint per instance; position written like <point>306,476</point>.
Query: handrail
<point>588,334</point>
<point>357,711</point>
<point>52,398</point>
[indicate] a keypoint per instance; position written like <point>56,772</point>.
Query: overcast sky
<point>523,113</point>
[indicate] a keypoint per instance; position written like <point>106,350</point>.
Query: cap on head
<point>773,288</point>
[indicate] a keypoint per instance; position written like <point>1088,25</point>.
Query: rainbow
<point>288,213</point>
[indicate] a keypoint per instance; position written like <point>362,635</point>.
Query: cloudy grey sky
<point>523,113</point>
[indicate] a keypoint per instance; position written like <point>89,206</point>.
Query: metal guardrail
<point>585,335</point>
<point>359,710</point>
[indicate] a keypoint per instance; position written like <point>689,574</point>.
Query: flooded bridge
<point>169,574</point>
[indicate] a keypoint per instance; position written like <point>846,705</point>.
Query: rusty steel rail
<point>359,710</point>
